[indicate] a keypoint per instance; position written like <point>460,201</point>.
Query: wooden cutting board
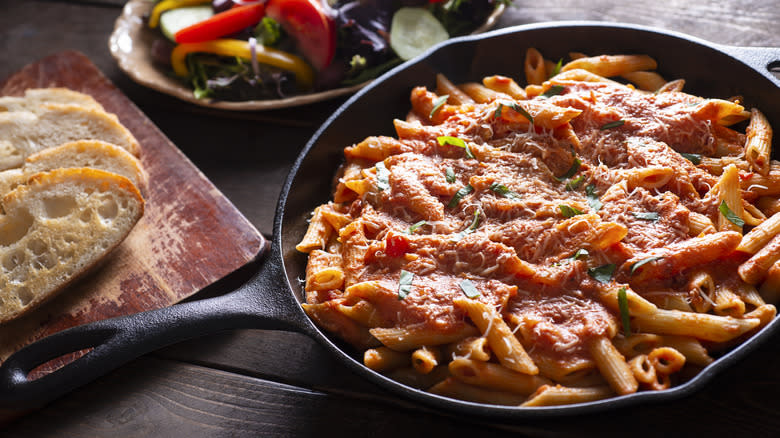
<point>189,237</point>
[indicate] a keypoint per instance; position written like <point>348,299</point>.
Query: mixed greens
<point>246,50</point>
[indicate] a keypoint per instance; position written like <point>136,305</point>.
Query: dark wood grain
<point>195,401</point>
<point>189,237</point>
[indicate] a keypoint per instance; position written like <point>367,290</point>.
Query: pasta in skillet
<point>575,239</point>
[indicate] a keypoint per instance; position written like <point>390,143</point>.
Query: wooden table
<point>267,383</point>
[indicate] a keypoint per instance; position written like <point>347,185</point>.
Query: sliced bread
<point>23,133</point>
<point>56,226</point>
<point>35,98</point>
<point>95,154</point>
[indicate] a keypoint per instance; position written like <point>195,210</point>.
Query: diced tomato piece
<point>396,245</point>
<point>222,24</point>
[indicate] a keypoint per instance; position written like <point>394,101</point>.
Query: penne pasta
<point>575,239</point>
<point>454,388</point>
<point>493,376</point>
<point>613,366</point>
<point>425,359</point>
<point>503,343</point>
<point>504,85</point>
<point>560,395</point>
<point>383,359</point>
<point>758,147</point>
<point>535,70</point>
<point>612,65</point>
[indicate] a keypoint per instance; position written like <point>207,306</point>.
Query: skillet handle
<point>763,59</point>
<point>117,341</point>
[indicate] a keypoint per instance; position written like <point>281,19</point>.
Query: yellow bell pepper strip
<point>304,74</point>
<point>166,5</point>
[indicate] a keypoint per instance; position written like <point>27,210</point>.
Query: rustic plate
<point>131,42</point>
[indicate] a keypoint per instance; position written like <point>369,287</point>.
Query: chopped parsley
<point>730,215</point>
<point>693,158</point>
<point>382,176</point>
<point>611,125</point>
<point>415,226</point>
<point>449,174</point>
<point>468,288</point>
<point>405,284</point>
<point>503,191</point>
<point>459,195</point>
<point>625,317</point>
<point>593,198</point>
<point>646,215</point>
<point>569,211</point>
<point>638,264</point>
<point>437,104</point>
<point>603,273</point>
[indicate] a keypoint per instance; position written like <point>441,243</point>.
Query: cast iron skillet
<point>271,298</point>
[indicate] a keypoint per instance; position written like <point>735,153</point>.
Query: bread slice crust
<point>56,227</point>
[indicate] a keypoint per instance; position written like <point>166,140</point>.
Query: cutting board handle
<point>259,303</point>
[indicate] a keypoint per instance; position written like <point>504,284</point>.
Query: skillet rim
<point>499,411</point>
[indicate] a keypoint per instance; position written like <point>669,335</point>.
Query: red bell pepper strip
<point>222,24</point>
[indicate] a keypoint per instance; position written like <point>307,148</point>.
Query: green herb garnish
<point>556,70</point>
<point>459,195</point>
<point>646,215</point>
<point>553,91</point>
<point>593,198</point>
<point>455,141</point>
<point>449,174</point>
<point>382,176</point>
<point>437,104</point>
<point>575,167</point>
<point>452,141</point>
<point>515,106</point>
<point>611,125</point>
<point>575,183</point>
<point>470,229</point>
<point>414,227</point>
<point>603,273</point>
<point>579,253</point>
<point>638,264</point>
<point>730,215</point>
<point>568,211</point>
<point>693,158</point>
<point>625,317</point>
<point>468,288</point>
<point>405,284</point>
<point>504,191</point>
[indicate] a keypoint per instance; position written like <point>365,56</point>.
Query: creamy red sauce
<point>516,245</point>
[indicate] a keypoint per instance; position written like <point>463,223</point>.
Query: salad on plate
<point>243,50</point>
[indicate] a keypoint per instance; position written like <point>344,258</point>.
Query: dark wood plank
<point>737,23</point>
<point>189,237</point>
<point>152,397</point>
<point>744,396</point>
<point>193,401</point>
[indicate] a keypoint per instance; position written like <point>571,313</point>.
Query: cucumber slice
<point>177,19</point>
<point>413,31</point>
